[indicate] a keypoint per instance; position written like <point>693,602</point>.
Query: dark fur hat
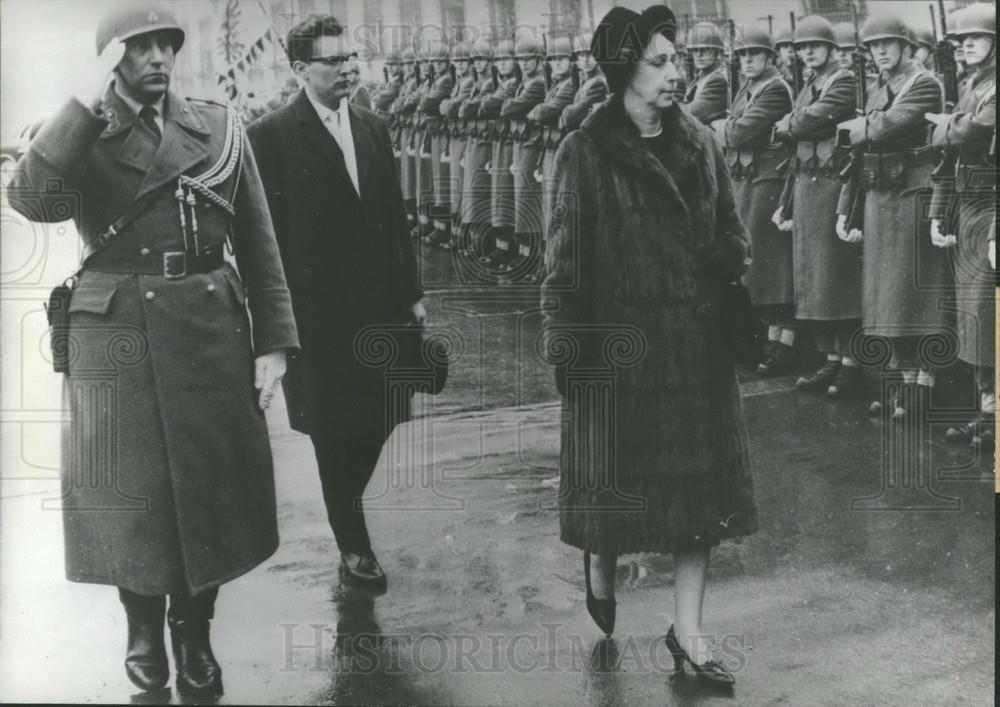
<point>623,35</point>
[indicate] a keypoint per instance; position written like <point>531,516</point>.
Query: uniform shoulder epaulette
<point>207,101</point>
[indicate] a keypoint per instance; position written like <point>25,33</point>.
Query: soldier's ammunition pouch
<point>518,129</point>
<point>975,178</point>
<point>819,158</point>
<point>888,171</point>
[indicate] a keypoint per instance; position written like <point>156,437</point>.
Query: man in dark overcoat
<point>167,478</point>
<point>333,189</point>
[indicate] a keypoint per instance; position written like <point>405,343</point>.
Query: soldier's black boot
<point>821,379</point>
<point>146,655</point>
<point>198,673</point>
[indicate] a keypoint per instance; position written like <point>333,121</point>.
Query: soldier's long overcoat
<point>827,269</point>
<point>966,203</point>
<point>753,160</point>
<point>907,280</point>
<point>527,192</point>
<point>475,201</point>
<point>167,476</point>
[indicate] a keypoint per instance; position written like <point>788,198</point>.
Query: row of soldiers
<point>869,198</point>
<point>863,169</point>
<point>476,130</point>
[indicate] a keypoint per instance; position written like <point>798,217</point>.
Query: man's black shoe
<point>363,569</point>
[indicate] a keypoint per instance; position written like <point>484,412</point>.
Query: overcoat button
<point>144,251</point>
<point>150,295</point>
<point>210,288</point>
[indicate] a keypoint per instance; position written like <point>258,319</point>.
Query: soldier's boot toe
<point>821,379</point>
<point>198,672</point>
<point>847,383</point>
<point>146,656</point>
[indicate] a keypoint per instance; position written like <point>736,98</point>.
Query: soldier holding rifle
<point>963,210</point>
<point>905,280</point>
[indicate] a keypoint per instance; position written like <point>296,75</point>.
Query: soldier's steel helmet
<point>505,49</point>
<point>461,52</point>
<point>753,38</point>
<point>980,18</point>
<point>924,38</point>
<point>843,32</point>
<point>885,25</point>
<point>705,35</point>
<point>559,47</point>
<point>393,57</point>
<point>814,29</point>
<point>581,42</point>
<point>784,36</point>
<point>408,56</point>
<point>131,19</point>
<point>528,49</point>
<point>482,50</point>
<point>438,53</point>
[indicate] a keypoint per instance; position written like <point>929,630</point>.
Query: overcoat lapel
<point>317,135</point>
<point>183,145</point>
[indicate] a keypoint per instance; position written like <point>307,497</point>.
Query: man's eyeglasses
<point>334,60</point>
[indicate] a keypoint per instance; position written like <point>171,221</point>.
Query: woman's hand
<point>269,370</point>
<point>938,238</point>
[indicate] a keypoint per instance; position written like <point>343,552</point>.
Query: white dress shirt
<point>338,124</point>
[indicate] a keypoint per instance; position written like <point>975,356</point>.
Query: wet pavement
<point>871,580</point>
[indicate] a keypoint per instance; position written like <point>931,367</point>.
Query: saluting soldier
<point>527,149</point>
<point>475,202</point>
<point>465,82</point>
<point>166,380</point>
<point>707,97</point>
<point>420,148</point>
<point>905,277</point>
<point>437,128</point>
<point>593,88</point>
<point>827,270</point>
<point>753,157</point>
<point>545,119</point>
<point>963,210</point>
<point>498,245</point>
<point>403,108</point>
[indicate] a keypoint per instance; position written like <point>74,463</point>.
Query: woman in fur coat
<point>654,453</point>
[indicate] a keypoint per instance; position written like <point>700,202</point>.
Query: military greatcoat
<point>167,476</point>
<point>502,159</point>
<point>546,116</point>
<point>966,203</point>
<point>706,98</point>
<point>907,280</point>
<point>475,202</point>
<point>527,192</point>
<point>753,159</point>
<point>827,269</point>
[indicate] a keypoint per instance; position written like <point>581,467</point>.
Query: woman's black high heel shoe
<point>710,671</point>
<point>602,611</point>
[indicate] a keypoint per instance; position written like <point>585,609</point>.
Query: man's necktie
<point>147,116</point>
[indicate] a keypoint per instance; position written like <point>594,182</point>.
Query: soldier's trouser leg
<point>345,468</point>
<point>189,618</point>
<point>834,337</point>
<point>146,656</point>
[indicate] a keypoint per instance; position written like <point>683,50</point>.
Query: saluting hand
<point>269,369</point>
<point>939,239</point>
<point>96,75</point>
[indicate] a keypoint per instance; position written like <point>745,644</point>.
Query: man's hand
<point>418,312</point>
<point>937,118</point>
<point>778,219</point>
<point>848,236</point>
<point>784,124</point>
<point>939,239</point>
<point>94,78</point>
<point>269,369</point>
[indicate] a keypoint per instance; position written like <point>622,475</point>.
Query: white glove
<point>939,239</point>
<point>778,219</point>
<point>95,75</point>
<point>269,368</point>
<point>852,236</point>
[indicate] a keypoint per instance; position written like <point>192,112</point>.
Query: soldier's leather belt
<point>172,265</point>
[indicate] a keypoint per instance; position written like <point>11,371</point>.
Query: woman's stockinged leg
<point>690,574</point>
<point>602,575</point>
